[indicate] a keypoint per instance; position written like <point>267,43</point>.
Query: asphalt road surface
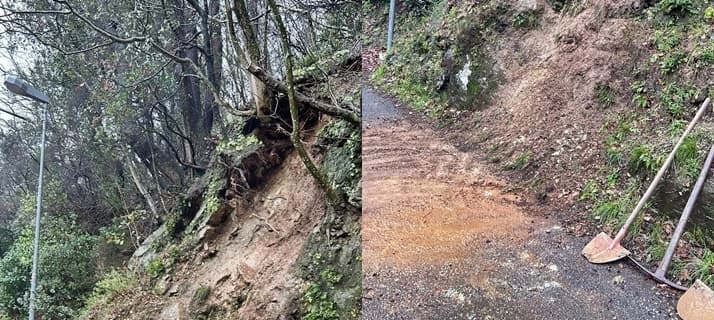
<point>443,239</point>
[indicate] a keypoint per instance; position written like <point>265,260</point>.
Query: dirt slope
<point>243,269</point>
<point>442,239</point>
<point>545,103</point>
<point>255,251</point>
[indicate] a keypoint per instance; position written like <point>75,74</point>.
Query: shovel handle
<point>662,269</point>
<point>623,231</point>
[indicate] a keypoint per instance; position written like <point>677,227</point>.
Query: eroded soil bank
<point>444,239</point>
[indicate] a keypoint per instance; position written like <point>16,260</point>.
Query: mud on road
<point>444,239</point>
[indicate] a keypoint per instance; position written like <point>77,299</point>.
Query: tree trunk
<point>259,90</point>
<point>198,120</point>
<point>332,195</point>
<point>139,185</point>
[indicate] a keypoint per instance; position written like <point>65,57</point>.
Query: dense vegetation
<point>142,94</point>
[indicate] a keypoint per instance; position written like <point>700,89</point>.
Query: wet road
<point>443,239</point>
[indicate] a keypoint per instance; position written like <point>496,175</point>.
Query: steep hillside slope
<point>255,238</point>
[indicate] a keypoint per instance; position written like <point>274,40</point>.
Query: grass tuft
<point>588,192</point>
<point>526,19</point>
<point>643,161</point>
<point>704,269</point>
<point>686,161</point>
<point>656,246</point>
<point>200,296</point>
<point>604,95</point>
<point>520,163</point>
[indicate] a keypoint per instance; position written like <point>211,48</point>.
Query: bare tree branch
<point>15,115</point>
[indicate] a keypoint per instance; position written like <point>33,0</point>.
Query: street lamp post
<point>390,26</point>
<point>20,87</point>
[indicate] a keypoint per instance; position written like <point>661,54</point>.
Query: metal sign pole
<point>390,27</point>
<point>36,249</point>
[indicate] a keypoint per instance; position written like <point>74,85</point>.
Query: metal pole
<point>390,27</point>
<point>36,249</point>
<point>667,258</point>
<point>650,190</point>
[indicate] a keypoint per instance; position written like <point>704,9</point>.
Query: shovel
<point>603,249</point>
<point>697,303</point>
<point>661,273</point>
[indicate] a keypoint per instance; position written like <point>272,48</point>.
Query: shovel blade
<point>597,250</point>
<point>697,303</point>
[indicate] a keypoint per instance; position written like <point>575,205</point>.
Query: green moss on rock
<point>330,263</point>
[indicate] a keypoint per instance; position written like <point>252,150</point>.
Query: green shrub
<point>414,94</point>
<point>671,62</point>
<point>331,276</point>
<point>112,284</point>
<point>155,268</point>
<point>667,39</point>
<point>419,7</point>
<point>560,5</point>
<point>676,6</point>
<point>676,127</point>
<point>526,19</point>
<point>709,13</point>
<point>66,270</point>
<point>707,54</point>
<point>674,98</point>
<point>318,305</point>
<point>7,237</point>
<point>639,94</point>
<point>643,160</point>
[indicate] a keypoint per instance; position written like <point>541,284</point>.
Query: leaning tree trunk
<point>333,196</point>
